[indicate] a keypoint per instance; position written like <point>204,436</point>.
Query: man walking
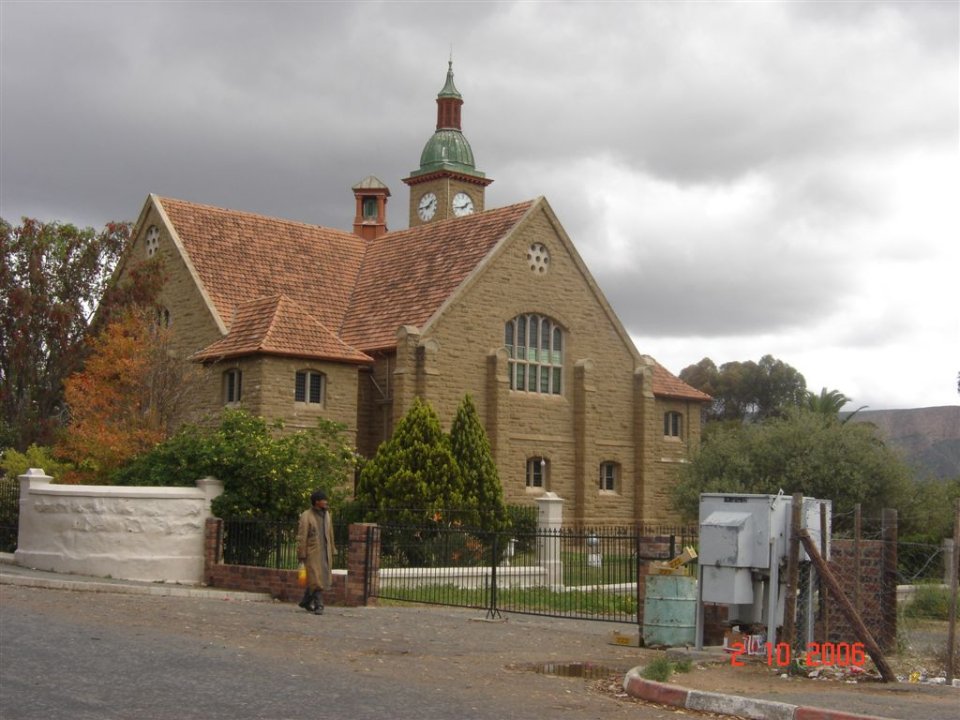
<point>315,550</point>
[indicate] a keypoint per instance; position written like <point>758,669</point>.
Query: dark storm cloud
<point>727,170</point>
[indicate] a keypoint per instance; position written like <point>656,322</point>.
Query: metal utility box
<point>744,541</point>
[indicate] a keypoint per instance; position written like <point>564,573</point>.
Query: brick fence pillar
<point>212,547</point>
<point>363,564</point>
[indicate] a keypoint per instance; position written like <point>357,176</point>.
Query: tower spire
<point>449,102</point>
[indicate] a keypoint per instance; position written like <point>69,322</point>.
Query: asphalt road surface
<point>80,655</point>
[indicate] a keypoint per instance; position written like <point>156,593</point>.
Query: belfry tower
<point>447,184</point>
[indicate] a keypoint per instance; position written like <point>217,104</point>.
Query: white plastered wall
<point>135,533</point>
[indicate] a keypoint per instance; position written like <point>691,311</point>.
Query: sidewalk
<point>527,638</point>
<point>13,574</point>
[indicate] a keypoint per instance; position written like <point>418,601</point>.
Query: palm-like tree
<point>829,403</point>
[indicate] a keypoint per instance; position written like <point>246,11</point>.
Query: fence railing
<point>569,572</point>
<point>9,513</point>
<point>272,544</point>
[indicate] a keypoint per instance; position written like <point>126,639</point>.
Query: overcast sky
<point>741,178</point>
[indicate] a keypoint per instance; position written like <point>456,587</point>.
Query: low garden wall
<point>351,587</point>
<point>154,534</point>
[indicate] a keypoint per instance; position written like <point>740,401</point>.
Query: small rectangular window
<point>315,380</point>
<point>308,387</point>
<point>232,386</point>
<point>609,476</point>
<point>536,469</point>
<point>672,424</point>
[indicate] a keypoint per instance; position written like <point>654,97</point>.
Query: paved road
<point>79,655</point>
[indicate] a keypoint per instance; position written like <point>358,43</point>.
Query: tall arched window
<point>535,349</point>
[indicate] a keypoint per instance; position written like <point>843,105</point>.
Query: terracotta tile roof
<point>289,288</point>
<point>408,275</point>
<point>364,289</point>
<point>276,325</point>
<point>241,256</point>
<point>667,384</point>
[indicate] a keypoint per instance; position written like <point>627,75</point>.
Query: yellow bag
<point>302,575</point>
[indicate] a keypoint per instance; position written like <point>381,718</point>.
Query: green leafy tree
<point>266,472</point>
<point>481,481</point>
<point>799,452</point>
<point>15,463</point>
<point>414,477</point>
<point>748,391</point>
<point>53,280</point>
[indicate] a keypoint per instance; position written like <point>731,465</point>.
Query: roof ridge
<point>262,216</point>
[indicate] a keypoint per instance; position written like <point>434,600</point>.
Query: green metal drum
<point>670,610</point>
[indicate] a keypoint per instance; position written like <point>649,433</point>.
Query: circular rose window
<point>538,257</point>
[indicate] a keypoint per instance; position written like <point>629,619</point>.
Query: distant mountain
<point>929,438</point>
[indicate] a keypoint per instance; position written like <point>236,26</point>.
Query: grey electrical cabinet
<point>744,541</point>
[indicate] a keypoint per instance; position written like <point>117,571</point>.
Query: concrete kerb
<point>635,685</point>
<point>13,574</point>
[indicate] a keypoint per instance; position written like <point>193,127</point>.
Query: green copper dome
<point>447,149</point>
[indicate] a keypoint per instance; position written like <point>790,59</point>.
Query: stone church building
<point>297,321</point>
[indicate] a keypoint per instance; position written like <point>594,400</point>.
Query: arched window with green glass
<point>534,346</point>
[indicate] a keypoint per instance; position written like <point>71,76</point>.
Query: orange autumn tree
<point>126,398</point>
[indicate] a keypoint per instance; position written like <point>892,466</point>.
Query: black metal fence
<point>9,513</point>
<point>587,573</point>
<point>272,544</point>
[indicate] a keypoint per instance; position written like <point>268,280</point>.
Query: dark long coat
<point>315,547</point>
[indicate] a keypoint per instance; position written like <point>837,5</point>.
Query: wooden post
<point>793,571</point>
<point>954,572</point>
<point>853,617</point>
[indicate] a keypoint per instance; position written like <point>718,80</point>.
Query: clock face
<point>427,206</point>
<point>462,204</point>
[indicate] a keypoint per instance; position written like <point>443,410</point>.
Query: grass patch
<point>659,669</point>
<point>929,601</point>
<point>531,600</point>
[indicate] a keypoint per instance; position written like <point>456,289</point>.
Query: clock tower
<point>447,184</point>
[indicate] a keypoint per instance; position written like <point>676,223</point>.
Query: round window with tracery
<point>538,258</point>
<point>153,240</point>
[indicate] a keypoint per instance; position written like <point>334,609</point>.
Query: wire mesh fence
<point>898,589</point>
